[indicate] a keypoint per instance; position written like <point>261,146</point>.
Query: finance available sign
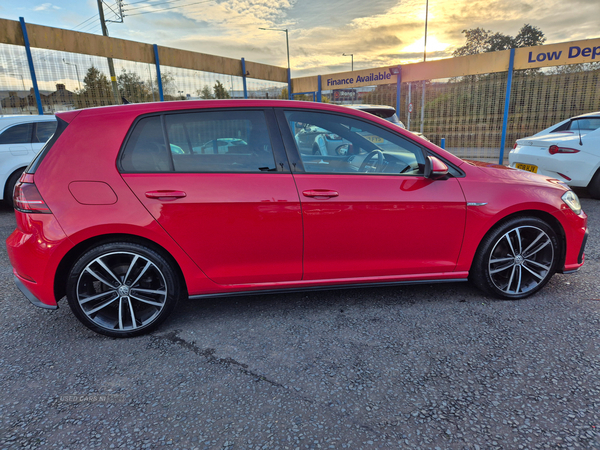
<point>369,77</point>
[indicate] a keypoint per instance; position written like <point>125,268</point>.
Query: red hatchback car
<point>128,209</point>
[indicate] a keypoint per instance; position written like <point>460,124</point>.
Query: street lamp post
<point>76,71</point>
<point>424,59</point>
<point>287,42</point>
<point>352,56</point>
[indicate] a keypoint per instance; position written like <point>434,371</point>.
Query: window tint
<point>330,143</point>
<point>232,141</point>
<point>587,124</point>
<point>44,131</point>
<point>17,134</point>
<point>146,150</point>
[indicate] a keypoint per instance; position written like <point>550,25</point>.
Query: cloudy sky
<point>377,32</point>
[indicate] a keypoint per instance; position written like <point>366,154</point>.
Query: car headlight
<point>571,199</point>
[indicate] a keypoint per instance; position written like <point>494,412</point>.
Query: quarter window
<point>18,134</point>
<point>44,131</point>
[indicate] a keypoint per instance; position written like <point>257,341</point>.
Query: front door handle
<point>320,193</point>
<point>166,194</point>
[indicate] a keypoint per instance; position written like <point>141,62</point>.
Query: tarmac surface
<point>436,366</point>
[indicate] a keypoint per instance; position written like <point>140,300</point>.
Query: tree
<point>220,91</point>
<point>529,36</point>
<point>479,40</point>
<point>132,88</point>
<point>205,93</point>
<point>97,90</point>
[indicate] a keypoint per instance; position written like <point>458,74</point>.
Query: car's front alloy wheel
<point>122,289</point>
<point>517,258</point>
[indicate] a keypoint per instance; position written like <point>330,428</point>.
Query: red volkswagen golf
<point>129,209</point>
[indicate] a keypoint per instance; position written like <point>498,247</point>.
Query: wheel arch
<point>19,170</point>
<point>65,265</point>
<point>552,221</point>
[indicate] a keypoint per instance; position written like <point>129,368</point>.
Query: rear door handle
<point>166,194</point>
<point>320,193</point>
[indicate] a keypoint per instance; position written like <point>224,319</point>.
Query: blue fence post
<point>319,98</point>
<point>38,99</point>
<point>158,78</point>
<point>398,84</point>
<point>244,78</point>
<point>290,95</point>
<point>443,143</point>
<point>511,64</point>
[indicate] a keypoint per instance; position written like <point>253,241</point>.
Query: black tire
<point>10,186</point>
<point>516,259</point>
<point>594,186</point>
<point>122,289</point>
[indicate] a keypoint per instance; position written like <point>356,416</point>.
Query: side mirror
<point>343,150</point>
<point>435,169</point>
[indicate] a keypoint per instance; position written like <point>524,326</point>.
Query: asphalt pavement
<point>437,366</point>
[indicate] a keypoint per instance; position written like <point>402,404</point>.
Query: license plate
<point>527,167</point>
<point>374,139</point>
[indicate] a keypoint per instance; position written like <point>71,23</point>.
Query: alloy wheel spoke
<point>512,275</point>
<point>135,258</point>
<point>95,297</point>
<point>99,278</point>
<point>121,313</point>
<point>507,236</point>
<point>520,272</point>
<point>538,276</point>
<point>150,291</point>
<point>133,323</point>
<point>533,243</point>
<point>540,247</point>
<point>104,305</point>
<point>531,261</point>
<point>148,263</point>
<point>519,241</point>
<point>499,260</point>
<point>110,272</point>
<point>143,300</point>
<point>503,268</point>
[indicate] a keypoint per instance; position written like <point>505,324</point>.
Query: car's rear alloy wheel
<point>122,289</point>
<point>516,259</point>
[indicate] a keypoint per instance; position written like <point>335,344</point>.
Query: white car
<point>568,151</point>
<point>21,138</point>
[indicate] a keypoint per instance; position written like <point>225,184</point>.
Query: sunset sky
<point>377,32</point>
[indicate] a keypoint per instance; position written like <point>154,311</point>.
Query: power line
<point>87,20</point>
<point>150,5</point>
<point>166,9</point>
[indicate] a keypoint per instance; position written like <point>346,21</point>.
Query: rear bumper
<point>32,298</point>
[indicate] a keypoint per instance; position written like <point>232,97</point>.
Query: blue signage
<point>574,52</point>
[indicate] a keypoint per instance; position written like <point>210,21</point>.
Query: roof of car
<point>596,114</point>
<point>145,108</point>
<point>371,107</point>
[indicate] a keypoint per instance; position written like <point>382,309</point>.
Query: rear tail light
<point>554,149</point>
<point>515,146</point>
<point>27,198</point>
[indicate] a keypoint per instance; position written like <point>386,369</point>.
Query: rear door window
<point>201,142</point>
<point>17,134</point>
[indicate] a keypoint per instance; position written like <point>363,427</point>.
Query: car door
<point>15,140</point>
<point>369,211</point>
<point>233,208</point>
